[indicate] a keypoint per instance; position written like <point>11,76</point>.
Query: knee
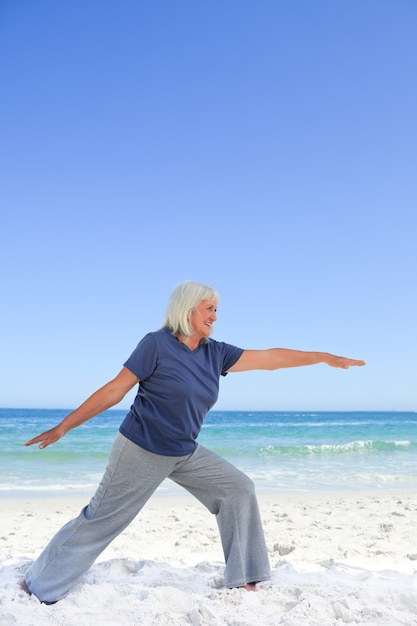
<point>230,490</point>
<point>238,498</point>
<point>245,487</point>
<point>242,487</point>
<point>245,483</point>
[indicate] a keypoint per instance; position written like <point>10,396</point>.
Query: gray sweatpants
<point>131,477</point>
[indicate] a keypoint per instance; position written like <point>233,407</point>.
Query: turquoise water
<point>280,451</point>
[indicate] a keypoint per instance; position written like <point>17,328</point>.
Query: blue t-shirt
<point>177,388</point>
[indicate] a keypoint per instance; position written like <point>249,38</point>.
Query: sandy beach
<point>336,558</point>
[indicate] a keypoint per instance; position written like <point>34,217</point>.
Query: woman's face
<point>203,317</point>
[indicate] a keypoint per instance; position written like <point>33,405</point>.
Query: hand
<point>342,362</point>
<point>48,437</point>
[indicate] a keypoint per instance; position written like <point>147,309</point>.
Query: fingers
<point>346,363</point>
<point>45,439</point>
<point>34,440</point>
<point>40,439</point>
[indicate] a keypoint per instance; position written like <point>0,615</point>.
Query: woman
<point>178,370</point>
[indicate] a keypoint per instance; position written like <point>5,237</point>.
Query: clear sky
<point>268,148</point>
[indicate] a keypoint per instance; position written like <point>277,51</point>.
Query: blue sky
<point>266,148</point>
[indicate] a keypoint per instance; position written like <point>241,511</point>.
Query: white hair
<point>184,299</point>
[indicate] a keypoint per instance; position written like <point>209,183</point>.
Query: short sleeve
<point>142,361</point>
<point>231,354</point>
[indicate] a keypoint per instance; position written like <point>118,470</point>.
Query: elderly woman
<point>177,369</point>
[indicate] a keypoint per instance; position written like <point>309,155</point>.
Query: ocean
<point>281,451</point>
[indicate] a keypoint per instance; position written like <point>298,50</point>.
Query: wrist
<point>326,357</point>
<point>63,428</point>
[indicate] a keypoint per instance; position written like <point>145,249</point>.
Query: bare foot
<point>251,587</point>
<point>23,585</point>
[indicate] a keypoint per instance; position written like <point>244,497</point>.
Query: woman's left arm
<point>277,358</point>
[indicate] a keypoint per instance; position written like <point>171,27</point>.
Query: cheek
<point>194,319</point>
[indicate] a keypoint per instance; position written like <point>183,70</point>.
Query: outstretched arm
<point>277,358</point>
<point>101,400</point>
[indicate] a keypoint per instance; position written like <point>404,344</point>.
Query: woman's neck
<point>191,342</point>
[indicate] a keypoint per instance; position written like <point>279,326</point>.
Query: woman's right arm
<point>101,400</point>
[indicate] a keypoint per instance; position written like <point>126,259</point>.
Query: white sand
<point>336,559</point>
